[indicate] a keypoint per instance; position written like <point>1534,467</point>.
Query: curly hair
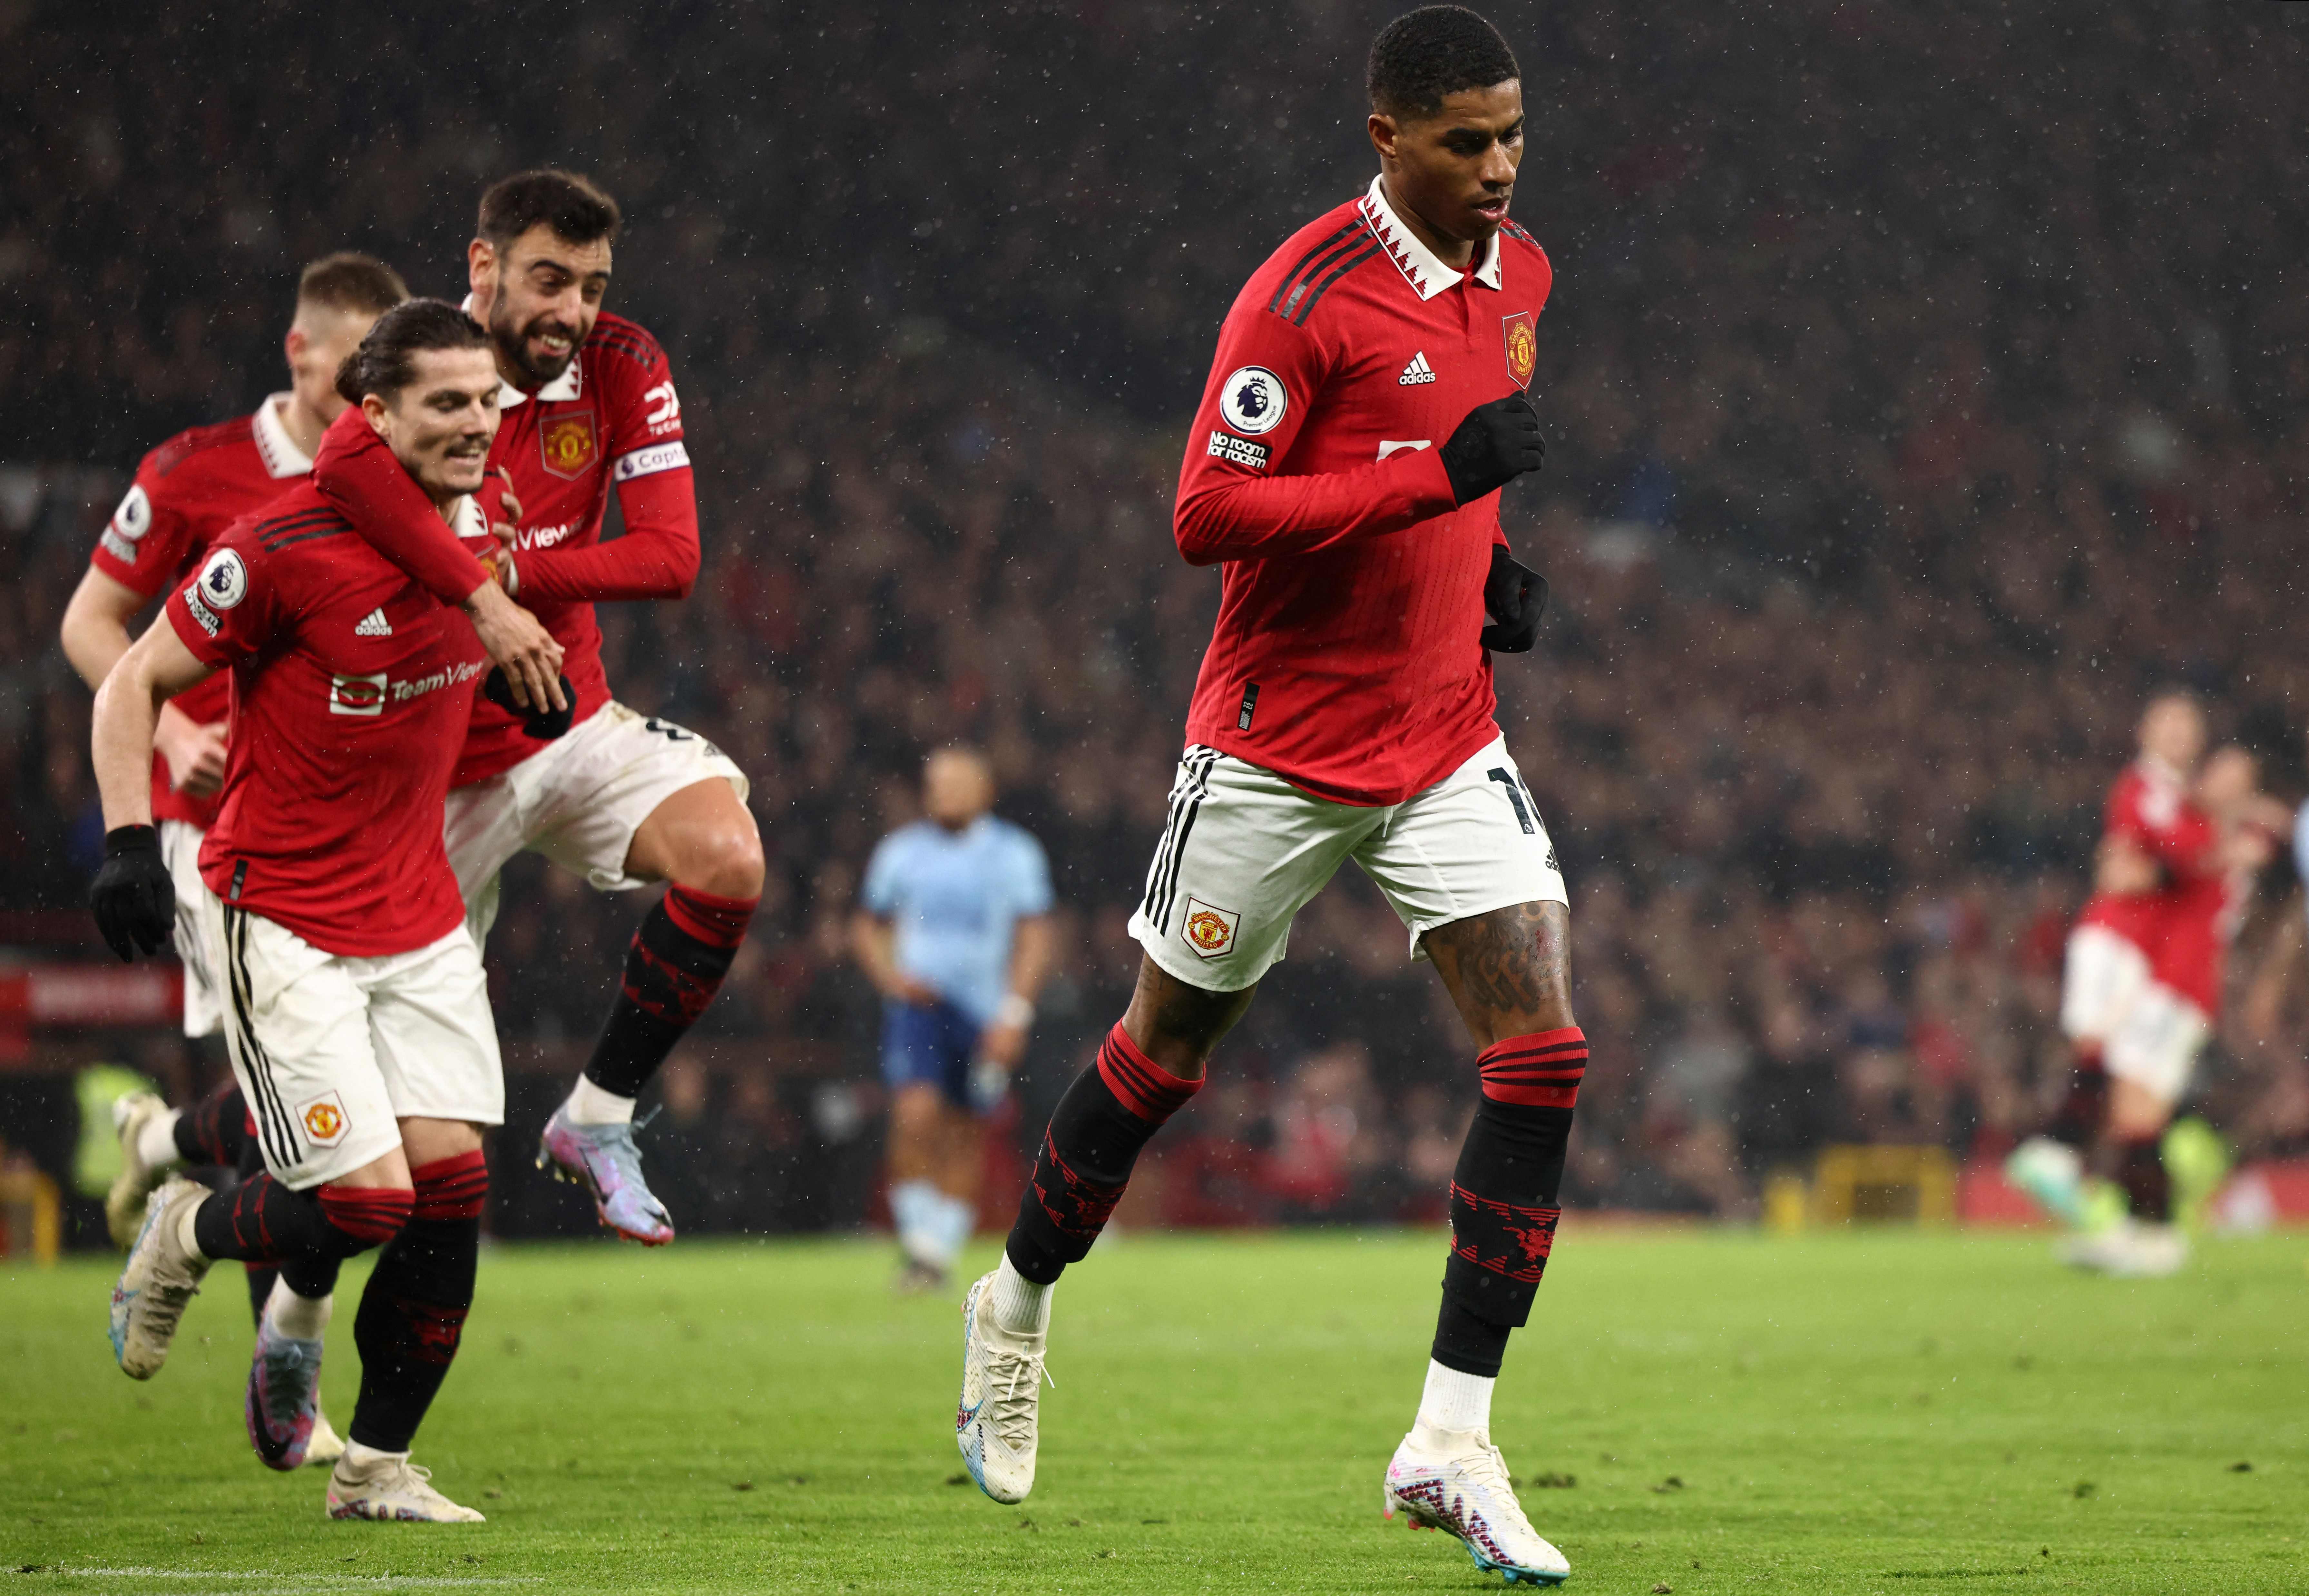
<point>1424,55</point>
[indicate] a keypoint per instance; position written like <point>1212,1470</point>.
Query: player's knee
<point>361,1217</point>
<point>724,859</point>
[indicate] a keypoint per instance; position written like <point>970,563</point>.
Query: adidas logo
<point>1417,372</point>
<point>374,624</point>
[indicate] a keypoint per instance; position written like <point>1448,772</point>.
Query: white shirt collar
<point>1427,275</point>
<point>570,385</point>
<point>274,446</point>
<point>465,518</point>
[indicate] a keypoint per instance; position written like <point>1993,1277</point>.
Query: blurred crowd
<point>1924,385</point>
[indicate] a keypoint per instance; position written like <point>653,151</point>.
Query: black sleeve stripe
<point>1308,261</point>
<point>275,544</point>
<point>1323,287</point>
<point>1316,270</point>
<point>632,343</point>
<point>268,531</point>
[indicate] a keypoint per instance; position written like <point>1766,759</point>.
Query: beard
<point>531,372</point>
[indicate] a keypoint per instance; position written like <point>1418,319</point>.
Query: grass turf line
<point>1893,1412</point>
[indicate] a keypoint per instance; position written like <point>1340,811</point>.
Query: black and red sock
<point>412,1312</point>
<point>217,1130</point>
<point>1112,1109</point>
<point>2085,1105</point>
<point>2146,1185</point>
<point>673,968</point>
<point>260,1221</point>
<point>1504,1194</point>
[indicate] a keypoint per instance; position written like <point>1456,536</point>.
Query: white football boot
<point>2129,1250</point>
<point>1001,1387</point>
<point>1459,1482</point>
<point>159,1278</point>
<point>124,1204</point>
<point>391,1486</point>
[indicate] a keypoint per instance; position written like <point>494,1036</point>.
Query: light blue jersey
<point>2301,841</point>
<point>954,898</point>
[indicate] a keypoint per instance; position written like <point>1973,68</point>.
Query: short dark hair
<point>1437,50</point>
<point>572,206</point>
<point>382,365</point>
<point>351,281</point>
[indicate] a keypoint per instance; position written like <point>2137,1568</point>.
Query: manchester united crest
<point>1522,345</point>
<point>567,441</point>
<point>1209,929</point>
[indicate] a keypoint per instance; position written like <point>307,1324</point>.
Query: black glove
<point>1495,444</point>
<point>135,901</point>
<point>1514,597</point>
<point>544,723</point>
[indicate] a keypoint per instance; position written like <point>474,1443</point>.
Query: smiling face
<point>439,425</point>
<point>539,296</point>
<point>1452,172</point>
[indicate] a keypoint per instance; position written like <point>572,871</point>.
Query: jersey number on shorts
<point>1518,799</point>
<point>677,734</point>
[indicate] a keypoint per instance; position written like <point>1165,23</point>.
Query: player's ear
<point>374,410</point>
<point>480,264</point>
<point>1383,134</point>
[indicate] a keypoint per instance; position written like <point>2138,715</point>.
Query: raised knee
<point>725,861</point>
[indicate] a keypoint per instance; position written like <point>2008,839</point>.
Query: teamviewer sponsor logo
<point>1235,451</point>
<point>646,462</point>
<point>403,692</point>
<point>357,695</point>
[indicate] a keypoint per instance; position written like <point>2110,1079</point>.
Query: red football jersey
<point>2149,807</point>
<point>1346,658</point>
<point>2193,926</point>
<point>612,418</point>
<point>352,688</point>
<point>187,492</point>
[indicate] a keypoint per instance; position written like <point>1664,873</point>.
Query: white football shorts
<point>1245,850</point>
<point>578,801</point>
<point>333,1052</point>
<point>2149,1034</point>
<point>180,849</point>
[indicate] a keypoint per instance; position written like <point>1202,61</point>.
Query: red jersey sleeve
<point>2160,825</point>
<point>657,557</point>
<point>1265,382</point>
<point>146,541</point>
<point>360,478</point>
<point>227,612</point>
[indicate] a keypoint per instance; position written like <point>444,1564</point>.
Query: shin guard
<point>1503,1195</point>
<point>412,1313</point>
<point>1110,1112</point>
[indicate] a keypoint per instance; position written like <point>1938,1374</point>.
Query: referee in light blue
<point>954,929</point>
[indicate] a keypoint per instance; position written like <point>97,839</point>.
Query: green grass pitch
<point>1896,1412</point>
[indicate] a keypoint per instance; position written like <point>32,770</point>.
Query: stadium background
<point>1922,388</point>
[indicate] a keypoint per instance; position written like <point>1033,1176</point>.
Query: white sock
<point>913,1210</point>
<point>156,1144</point>
<point>591,1105</point>
<point>360,1459</point>
<point>299,1319</point>
<point>951,1225</point>
<point>1454,1402</point>
<point>184,1229</point>
<point>1019,1305</point>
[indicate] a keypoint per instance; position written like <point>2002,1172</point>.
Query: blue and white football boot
<point>604,1160</point>
<point>1460,1483</point>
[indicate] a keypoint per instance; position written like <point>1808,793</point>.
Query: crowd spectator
<point>1922,384</point>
